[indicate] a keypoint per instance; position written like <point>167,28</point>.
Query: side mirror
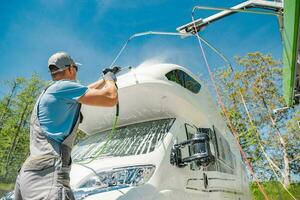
<point>199,149</point>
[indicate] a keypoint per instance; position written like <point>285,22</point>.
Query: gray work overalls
<point>45,173</point>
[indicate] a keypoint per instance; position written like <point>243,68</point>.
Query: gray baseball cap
<point>61,60</point>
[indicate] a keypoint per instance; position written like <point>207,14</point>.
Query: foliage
<point>5,187</point>
<point>15,111</point>
<point>293,138</point>
<point>275,191</point>
<point>250,93</point>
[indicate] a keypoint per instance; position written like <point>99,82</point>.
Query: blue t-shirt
<point>58,108</point>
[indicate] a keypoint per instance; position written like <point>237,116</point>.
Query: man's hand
<point>110,76</point>
<point>110,73</point>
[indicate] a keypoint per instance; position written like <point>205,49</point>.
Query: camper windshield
<point>134,139</point>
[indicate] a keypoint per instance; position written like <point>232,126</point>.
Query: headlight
<point>115,179</point>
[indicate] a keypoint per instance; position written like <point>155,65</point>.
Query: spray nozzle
<point>115,70</point>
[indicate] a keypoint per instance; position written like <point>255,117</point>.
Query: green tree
<point>5,103</point>
<point>250,94</point>
<point>15,111</point>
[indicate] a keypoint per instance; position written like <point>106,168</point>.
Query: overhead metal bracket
<point>274,7</point>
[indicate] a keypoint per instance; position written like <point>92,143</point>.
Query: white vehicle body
<point>149,102</point>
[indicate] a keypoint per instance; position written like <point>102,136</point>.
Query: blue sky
<point>93,31</point>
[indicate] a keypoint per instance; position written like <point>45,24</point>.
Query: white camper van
<point>170,143</point>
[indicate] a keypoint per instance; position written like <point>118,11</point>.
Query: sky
<point>93,31</point>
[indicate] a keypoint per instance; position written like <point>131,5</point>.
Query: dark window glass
<point>183,79</point>
<point>226,160</point>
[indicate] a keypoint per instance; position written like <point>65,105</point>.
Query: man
<point>54,121</point>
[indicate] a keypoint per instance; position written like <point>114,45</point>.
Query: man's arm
<point>106,95</point>
<point>97,84</point>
